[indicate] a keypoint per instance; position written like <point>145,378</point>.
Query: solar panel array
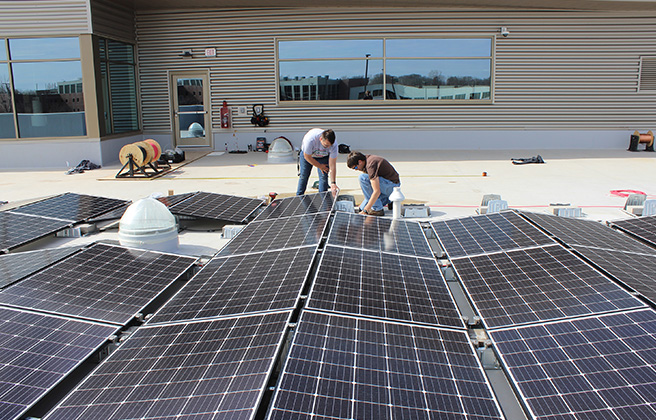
<point>217,206</point>
<point>242,284</point>
<point>104,283</point>
<point>379,234</point>
<point>641,227</point>
<point>275,234</point>
<point>599,367</point>
<point>390,286</point>
<point>14,267</point>
<point>487,233</point>
<point>587,233</point>
<point>351,368</point>
<point>215,369</point>
<point>634,270</point>
<point>20,229</point>
<point>37,351</point>
<point>298,205</point>
<point>71,207</point>
<point>536,285</point>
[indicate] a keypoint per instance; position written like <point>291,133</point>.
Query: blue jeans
<point>386,188</point>
<point>305,168</point>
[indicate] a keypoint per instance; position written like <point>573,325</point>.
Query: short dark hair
<point>329,135</point>
<point>354,158</point>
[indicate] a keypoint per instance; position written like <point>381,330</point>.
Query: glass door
<point>191,109</point>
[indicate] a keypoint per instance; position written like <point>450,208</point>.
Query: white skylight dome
<point>148,224</point>
<point>281,151</point>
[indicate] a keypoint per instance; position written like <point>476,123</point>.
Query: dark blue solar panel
<point>298,205</point>
<point>379,234</point>
<point>352,368</point>
<point>20,229</point>
<point>641,227</point>
<point>591,368</point>
<point>217,206</point>
<point>37,352</point>
<point>199,370</point>
<point>105,283</point>
<point>70,206</point>
<point>488,233</point>
<point>14,267</point>
<point>396,287</point>
<point>538,284</point>
<point>237,285</point>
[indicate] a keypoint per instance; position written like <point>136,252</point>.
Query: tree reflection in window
<point>385,69</point>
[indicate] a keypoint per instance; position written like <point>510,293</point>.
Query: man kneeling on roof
<point>377,181</point>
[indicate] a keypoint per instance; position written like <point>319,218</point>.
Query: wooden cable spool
<point>156,147</point>
<point>141,154</point>
<point>646,138</point>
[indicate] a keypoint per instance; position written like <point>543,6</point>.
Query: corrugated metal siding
<point>112,19</point>
<point>48,17</point>
<point>556,70</point>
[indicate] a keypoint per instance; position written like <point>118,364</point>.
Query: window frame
<point>384,101</point>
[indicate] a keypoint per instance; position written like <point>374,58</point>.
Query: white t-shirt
<point>312,145</point>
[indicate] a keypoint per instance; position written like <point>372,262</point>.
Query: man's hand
<point>324,168</point>
<point>334,189</point>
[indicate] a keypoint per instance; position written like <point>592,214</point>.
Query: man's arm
<point>332,165</point>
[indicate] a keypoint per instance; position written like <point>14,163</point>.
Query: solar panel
<point>487,233</point>
<point>586,233</point>
<point>14,267</point>
<point>278,234</point>
<point>634,270</point>
<point>217,206</point>
<point>592,368</point>
<point>172,200</point>
<point>396,287</point>
<point>20,229</point>
<point>236,285</point>
<point>536,285</point>
<point>350,368</point>
<point>38,351</point>
<point>70,206</point>
<point>642,227</point>
<point>298,205</point>
<point>379,234</point>
<point>103,283</point>
<point>200,370</point>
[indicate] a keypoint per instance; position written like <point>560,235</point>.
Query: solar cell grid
<point>104,283</point>
<point>350,368</point>
<point>217,206</point>
<point>242,284</point>
<point>634,270</point>
<point>20,229</point>
<point>487,233</point>
<point>538,284</point>
<point>379,234</point>
<point>37,352</point>
<point>172,200</point>
<point>298,205</point>
<point>70,206</point>
<point>210,370</point>
<point>395,287</point>
<point>14,267</point>
<point>642,227</point>
<point>269,235</point>
<point>592,368</point>
<point>587,233</point>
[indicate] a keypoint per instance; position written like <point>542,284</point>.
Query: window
<point>7,126</point>
<point>45,73</point>
<point>385,69</point>
<point>118,97</point>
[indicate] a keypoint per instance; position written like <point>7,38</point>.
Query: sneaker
<point>380,212</point>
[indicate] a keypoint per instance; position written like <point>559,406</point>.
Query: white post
<point>396,198</point>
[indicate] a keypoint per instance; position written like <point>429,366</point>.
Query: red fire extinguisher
<point>225,115</point>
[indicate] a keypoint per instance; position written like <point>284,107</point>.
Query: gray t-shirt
<point>312,145</point>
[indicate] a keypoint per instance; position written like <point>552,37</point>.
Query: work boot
<point>380,212</point>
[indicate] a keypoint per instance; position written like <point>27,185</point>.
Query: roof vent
<point>148,224</point>
<point>647,80</point>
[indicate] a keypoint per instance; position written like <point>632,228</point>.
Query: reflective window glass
<point>438,79</point>
<point>3,50</point>
<point>118,51</point>
<point>327,80</point>
<point>336,48</point>
<point>44,48</point>
<point>7,129</point>
<point>49,99</point>
<point>124,97</point>
<point>438,47</point>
